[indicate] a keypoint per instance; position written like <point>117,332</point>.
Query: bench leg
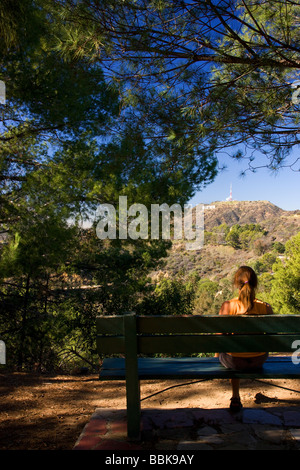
<point>132,378</point>
<point>133,409</point>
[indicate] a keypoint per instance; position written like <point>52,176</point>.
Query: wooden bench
<point>135,338</point>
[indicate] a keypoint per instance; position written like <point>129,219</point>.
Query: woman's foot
<point>235,404</point>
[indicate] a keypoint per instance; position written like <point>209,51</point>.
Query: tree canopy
<point>286,283</point>
<point>64,151</point>
<point>227,67</point>
<point>123,98</point>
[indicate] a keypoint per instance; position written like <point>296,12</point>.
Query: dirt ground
<point>48,412</point>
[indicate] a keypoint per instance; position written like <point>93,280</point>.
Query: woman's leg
<point>229,362</point>
<point>235,401</point>
<point>235,385</point>
<point>237,363</point>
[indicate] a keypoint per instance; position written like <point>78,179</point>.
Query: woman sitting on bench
<point>245,280</point>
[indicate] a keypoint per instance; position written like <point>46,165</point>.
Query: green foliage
<point>227,66</point>
<point>265,287</point>
<point>70,142</point>
<point>50,104</point>
<point>169,297</point>
<point>233,237</point>
<point>278,247</point>
<point>63,152</point>
<point>244,236</point>
<point>205,297</point>
<point>209,296</point>
<point>30,263</point>
<point>265,263</point>
<point>286,284</point>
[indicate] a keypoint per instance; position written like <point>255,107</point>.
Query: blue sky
<point>281,189</point>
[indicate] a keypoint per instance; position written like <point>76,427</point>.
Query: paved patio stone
<point>194,430</point>
<point>260,416</point>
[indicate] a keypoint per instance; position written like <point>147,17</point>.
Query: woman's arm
<point>269,309</point>
<point>225,308</point>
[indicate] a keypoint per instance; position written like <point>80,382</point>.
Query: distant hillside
<point>279,223</point>
<point>242,212</point>
<point>218,258</point>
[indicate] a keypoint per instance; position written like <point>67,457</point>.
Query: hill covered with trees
<point>254,233</point>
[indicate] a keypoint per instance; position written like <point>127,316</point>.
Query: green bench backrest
<point>196,334</point>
